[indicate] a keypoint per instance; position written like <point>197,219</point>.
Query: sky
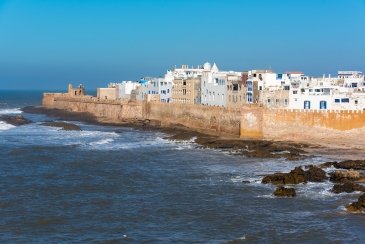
<point>46,44</point>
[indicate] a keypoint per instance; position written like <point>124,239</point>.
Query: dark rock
<point>296,176</point>
<point>315,174</point>
<point>351,164</point>
<point>15,119</point>
<point>347,187</point>
<point>63,125</point>
<point>345,175</point>
<point>246,182</point>
<point>327,165</point>
<point>358,206</point>
<point>255,148</point>
<point>284,192</point>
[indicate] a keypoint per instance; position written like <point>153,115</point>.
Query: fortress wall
<point>208,119</point>
<point>111,110</point>
<point>247,122</point>
<point>301,125</point>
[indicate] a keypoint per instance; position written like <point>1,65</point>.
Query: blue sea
<point>108,184</point>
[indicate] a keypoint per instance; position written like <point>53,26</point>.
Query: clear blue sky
<point>49,43</point>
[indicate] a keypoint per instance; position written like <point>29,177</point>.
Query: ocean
<point>118,184</point>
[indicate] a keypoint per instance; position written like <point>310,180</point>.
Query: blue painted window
<point>307,104</point>
<point>345,100</point>
<point>323,105</point>
<point>337,100</point>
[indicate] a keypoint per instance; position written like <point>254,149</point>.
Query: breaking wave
<point>10,111</point>
<point>5,126</point>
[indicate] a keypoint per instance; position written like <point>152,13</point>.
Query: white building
<point>124,88</point>
<point>345,92</point>
<point>214,86</point>
<point>154,86</point>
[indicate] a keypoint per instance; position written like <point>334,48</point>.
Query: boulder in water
<point>347,187</point>
<point>351,164</point>
<point>284,192</point>
<point>345,175</point>
<point>63,125</point>
<point>15,119</point>
<point>296,176</point>
<point>357,207</point>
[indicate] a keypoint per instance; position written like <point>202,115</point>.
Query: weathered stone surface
<point>15,119</point>
<point>63,125</point>
<point>351,164</point>
<point>256,148</point>
<point>347,187</point>
<point>344,176</point>
<point>284,192</point>
<point>296,176</point>
<point>327,165</point>
<point>315,174</point>
<point>358,206</point>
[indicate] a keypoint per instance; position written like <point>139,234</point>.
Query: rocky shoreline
<point>347,176</point>
<point>248,148</point>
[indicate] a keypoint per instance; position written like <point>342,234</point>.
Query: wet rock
<point>315,174</point>
<point>63,125</point>
<point>344,176</point>
<point>351,164</point>
<point>347,187</point>
<point>296,176</point>
<point>246,182</point>
<point>15,119</point>
<point>284,192</point>
<point>255,148</point>
<point>327,165</point>
<point>358,206</point>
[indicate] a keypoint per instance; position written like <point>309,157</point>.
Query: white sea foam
<point>102,142</point>
<point>251,180</point>
<point>10,111</point>
<point>5,126</point>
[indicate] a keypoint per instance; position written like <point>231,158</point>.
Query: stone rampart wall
<point>209,119</point>
<point>110,110</point>
<point>246,122</point>
<point>301,125</point>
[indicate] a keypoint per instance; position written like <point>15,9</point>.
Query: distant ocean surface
<point>115,184</point>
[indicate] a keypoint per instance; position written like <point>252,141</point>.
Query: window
<point>356,102</point>
<point>286,88</point>
<point>249,97</point>
<point>307,104</point>
<point>184,83</point>
<point>268,101</point>
<point>286,102</point>
<point>260,88</point>
<point>235,87</point>
<point>295,92</point>
<point>277,101</point>
<point>322,105</point>
<point>337,100</point>
<point>345,100</point>
<point>317,90</point>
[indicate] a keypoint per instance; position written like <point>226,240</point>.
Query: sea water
<point>120,184</point>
